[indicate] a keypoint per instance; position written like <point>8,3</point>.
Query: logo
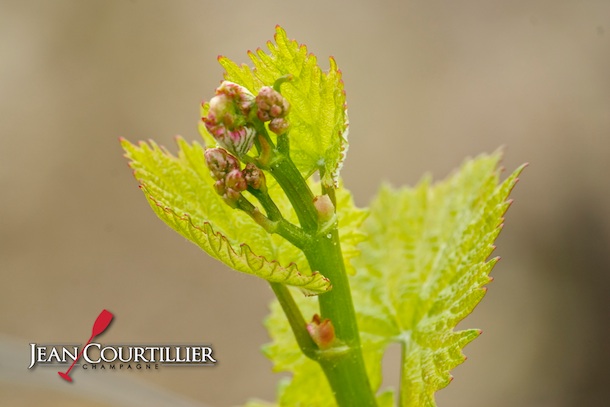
<point>96,356</point>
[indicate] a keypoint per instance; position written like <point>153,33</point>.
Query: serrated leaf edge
<point>313,284</point>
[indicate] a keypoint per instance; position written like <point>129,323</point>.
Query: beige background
<point>428,83</point>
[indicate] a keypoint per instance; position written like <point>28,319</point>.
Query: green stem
<point>288,176</point>
<point>273,212</point>
<point>283,144</point>
<point>345,370</point>
<point>343,364</point>
<point>297,191</point>
<point>401,394</point>
<point>296,320</point>
<point>281,226</point>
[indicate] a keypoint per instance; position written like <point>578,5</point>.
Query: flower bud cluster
<point>272,107</point>
<point>227,119</point>
<point>234,110</point>
<point>231,181</point>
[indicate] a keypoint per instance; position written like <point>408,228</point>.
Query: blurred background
<point>428,84</point>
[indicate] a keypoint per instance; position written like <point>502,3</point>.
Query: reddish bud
<point>271,104</point>
<point>255,177</point>
<point>230,181</point>
<point>235,184</point>
<point>220,162</point>
<point>279,126</point>
<point>219,186</point>
<point>227,118</point>
<point>324,207</point>
<point>322,332</point>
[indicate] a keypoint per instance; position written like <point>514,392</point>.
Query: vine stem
<point>345,370</point>
<point>342,363</point>
<point>273,223</point>
<point>296,320</point>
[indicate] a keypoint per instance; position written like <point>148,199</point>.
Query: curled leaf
<point>179,190</point>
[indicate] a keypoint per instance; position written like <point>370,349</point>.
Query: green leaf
<point>179,190</point>
<point>423,269</point>
<point>318,115</point>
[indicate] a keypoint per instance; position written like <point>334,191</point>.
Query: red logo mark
<point>100,325</point>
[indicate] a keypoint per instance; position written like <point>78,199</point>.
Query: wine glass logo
<point>99,326</point>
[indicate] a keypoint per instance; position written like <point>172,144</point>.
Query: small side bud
<point>325,208</point>
<point>255,177</point>
<point>322,332</point>
<point>220,162</point>
<point>227,118</point>
<point>235,184</point>
<point>271,104</point>
<point>279,126</point>
<point>219,187</point>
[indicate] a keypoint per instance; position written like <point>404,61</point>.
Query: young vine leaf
<point>421,270</point>
<point>179,190</point>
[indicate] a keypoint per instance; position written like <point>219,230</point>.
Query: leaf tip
<point>519,170</point>
<point>279,31</point>
<point>126,146</point>
<point>333,64</point>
